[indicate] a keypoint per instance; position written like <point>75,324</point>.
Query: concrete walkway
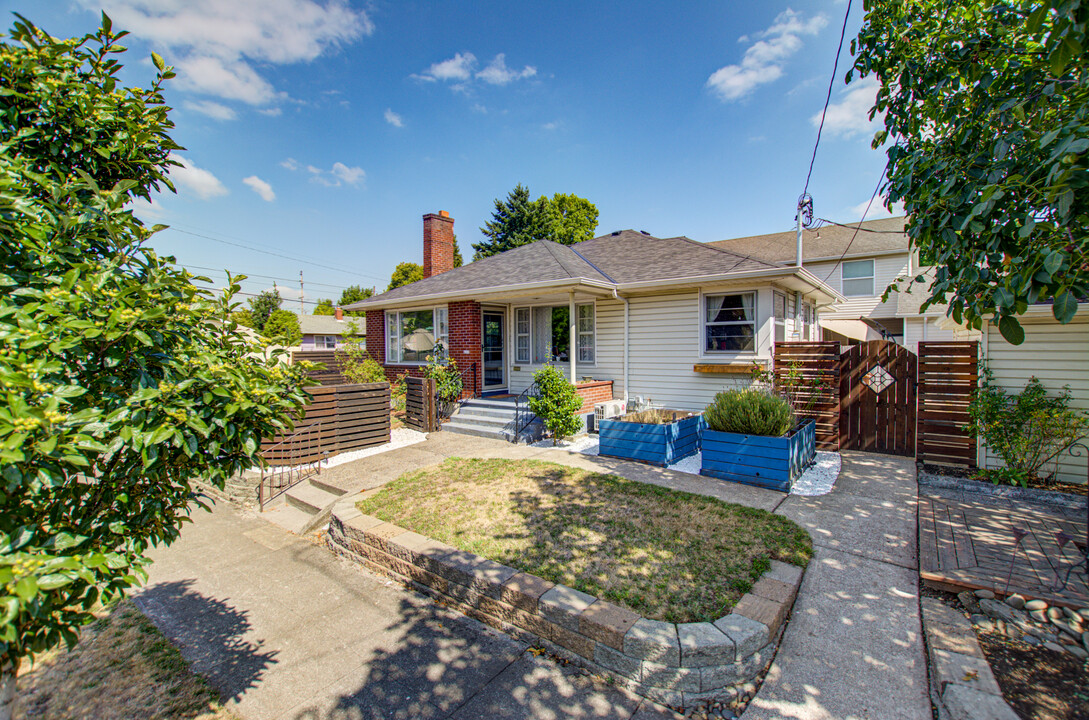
<point>286,630</point>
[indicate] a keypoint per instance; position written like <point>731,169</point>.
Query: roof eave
<point>817,285</point>
<point>480,293</point>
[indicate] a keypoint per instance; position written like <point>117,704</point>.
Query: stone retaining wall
<point>240,490</point>
<point>676,664</point>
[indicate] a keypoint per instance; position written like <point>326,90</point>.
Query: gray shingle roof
<point>622,257</point>
<point>829,241</point>
<point>328,325</point>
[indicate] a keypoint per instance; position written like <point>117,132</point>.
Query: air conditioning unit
<point>608,409</point>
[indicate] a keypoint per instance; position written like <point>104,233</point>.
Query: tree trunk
<point>7,689</point>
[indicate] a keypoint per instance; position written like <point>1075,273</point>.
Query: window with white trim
<point>542,334</point>
<point>521,335</point>
<point>857,278</point>
<point>326,342</point>
<point>729,323</point>
<point>412,335</point>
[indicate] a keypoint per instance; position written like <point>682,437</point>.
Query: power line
<point>862,229</point>
<point>268,277</point>
<point>276,254</point>
<point>828,98</point>
<point>860,221</point>
<point>249,294</point>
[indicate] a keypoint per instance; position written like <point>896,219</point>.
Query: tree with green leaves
<point>404,274</point>
<point>574,219</point>
<point>242,317</point>
<point>124,382</point>
<point>354,294</point>
<point>987,105</point>
<point>557,403</point>
<point>458,260</point>
<point>325,307</point>
<point>262,306</point>
<point>283,328</point>
<point>515,221</point>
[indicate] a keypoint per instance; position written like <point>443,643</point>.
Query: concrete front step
<point>484,421</point>
<point>486,412</point>
<point>310,498</point>
<point>463,428</point>
<point>288,517</point>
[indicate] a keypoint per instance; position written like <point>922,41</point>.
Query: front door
<point>495,366</point>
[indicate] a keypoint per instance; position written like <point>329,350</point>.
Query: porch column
<point>572,334</point>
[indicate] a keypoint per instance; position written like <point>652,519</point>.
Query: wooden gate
<point>420,412</point>
<point>877,409</point>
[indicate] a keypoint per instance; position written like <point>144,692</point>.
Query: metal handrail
<point>522,418</point>
<point>445,408</point>
<point>281,478</point>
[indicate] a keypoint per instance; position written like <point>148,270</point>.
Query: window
<point>729,323</point>
<point>326,342</point>
<point>857,278</point>
<point>782,310</point>
<point>809,317</point>
<point>542,334</point>
<point>412,336</point>
<point>521,335</point>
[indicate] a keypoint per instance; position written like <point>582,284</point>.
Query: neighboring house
<point>328,332</point>
<point>860,266</point>
<point>667,319</point>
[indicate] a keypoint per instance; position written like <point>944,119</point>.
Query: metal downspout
<point>626,344</point>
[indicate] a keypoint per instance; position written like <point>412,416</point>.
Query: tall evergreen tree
<point>516,221</point>
<point>262,306</point>
<point>458,260</point>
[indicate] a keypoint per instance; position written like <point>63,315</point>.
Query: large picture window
<point>857,278</point>
<point>542,334</point>
<point>413,335</point>
<point>729,323</point>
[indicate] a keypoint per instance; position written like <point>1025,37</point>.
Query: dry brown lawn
<point>123,668</point>
<point>664,554</point>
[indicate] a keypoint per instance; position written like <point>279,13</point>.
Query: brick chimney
<point>438,243</point>
<point>340,314</point>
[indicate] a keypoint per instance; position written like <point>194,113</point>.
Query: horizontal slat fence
<point>818,396</point>
<point>948,372</point>
<point>420,404</point>
<point>331,373</point>
<point>351,417</point>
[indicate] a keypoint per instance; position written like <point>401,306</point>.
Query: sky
<point>317,133</point>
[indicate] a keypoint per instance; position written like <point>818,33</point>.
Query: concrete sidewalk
<point>285,629</point>
<point>853,648</point>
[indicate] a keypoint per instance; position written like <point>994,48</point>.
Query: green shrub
<point>750,412</point>
<point>282,328</point>
<point>357,366</point>
<point>447,377</point>
<point>1026,431</point>
<point>556,403</point>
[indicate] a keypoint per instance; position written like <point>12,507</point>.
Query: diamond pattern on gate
<point>878,379</point>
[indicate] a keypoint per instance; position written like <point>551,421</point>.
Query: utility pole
<point>302,295</point>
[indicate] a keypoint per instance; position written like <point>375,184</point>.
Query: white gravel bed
<point>585,444</point>
<point>401,437</point>
<point>819,478</point>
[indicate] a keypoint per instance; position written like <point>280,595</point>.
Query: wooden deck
<point>969,544</point>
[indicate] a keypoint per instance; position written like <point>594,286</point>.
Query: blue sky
<point>324,130</point>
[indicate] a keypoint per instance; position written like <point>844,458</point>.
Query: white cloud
<point>272,111</point>
<point>877,210</point>
<point>460,67</point>
<point>394,119</point>
<point>551,125</point>
<point>147,210</point>
<point>189,176</point>
<point>262,188</point>
<point>497,72</point>
<point>478,108</point>
<point>850,115</point>
<point>213,42</point>
<point>763,61</point>
<point>339,174</point>
<point>211,109</point>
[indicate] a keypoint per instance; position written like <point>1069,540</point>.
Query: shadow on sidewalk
<point>211,635</point>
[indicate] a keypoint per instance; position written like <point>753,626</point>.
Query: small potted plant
<point>659,437</point>
<point>753,437</point>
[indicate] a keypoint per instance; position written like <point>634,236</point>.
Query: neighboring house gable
<point>328,332</point>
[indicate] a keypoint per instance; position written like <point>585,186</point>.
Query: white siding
<point>921,328</point>
<point>886,269</point>
<point>1056,354</point>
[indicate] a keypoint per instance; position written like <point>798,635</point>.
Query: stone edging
<point>1007,492</point>
<point>675,664</point>
<point>961,682</point>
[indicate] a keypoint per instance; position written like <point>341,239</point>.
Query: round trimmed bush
<point>750,412</point>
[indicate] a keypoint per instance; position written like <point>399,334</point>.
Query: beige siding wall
<point>1056,354</point>
<point>918,328</point>
<point>886,269</point>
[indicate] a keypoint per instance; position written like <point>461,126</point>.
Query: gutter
<point>801,273</point>
<point>627,344</point>
<point>478,292</point>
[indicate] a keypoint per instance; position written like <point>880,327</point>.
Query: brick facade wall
<point>593,393</point>
<point>465,342</point>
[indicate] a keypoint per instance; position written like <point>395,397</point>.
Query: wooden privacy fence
<point>815,367</point>
<point>350,417</point>
<point>918,410</point>
<point>948,372</point>
<point>420,411</point>
<point>330,374</point>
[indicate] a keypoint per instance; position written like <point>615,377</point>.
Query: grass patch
<point>123,667</point>
<point>664,554</point>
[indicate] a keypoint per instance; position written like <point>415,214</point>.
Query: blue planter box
<point>768,462</point>
<point>646,442</point>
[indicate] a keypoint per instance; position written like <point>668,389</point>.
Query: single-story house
<point>670,320</point>
<point>328,332</point>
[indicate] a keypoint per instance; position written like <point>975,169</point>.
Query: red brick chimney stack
<point>438,243</point>
<point>340,314</point>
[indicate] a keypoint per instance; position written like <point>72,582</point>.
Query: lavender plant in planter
<point>752,437</point>
<point>659,437</point>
